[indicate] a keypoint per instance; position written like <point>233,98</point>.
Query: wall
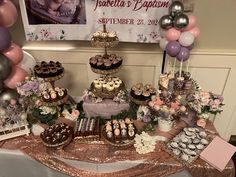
<point>213,61</point>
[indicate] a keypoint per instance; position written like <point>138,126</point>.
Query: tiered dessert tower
<point>107,86</point>
<point>51,72</point>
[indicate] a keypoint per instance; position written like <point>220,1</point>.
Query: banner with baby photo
<point>133,20</point>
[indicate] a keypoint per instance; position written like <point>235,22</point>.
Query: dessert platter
<point>57,136</point>
<point>188,144</point>
<point>50,71</point>
<point>107,87</point>
<point>105,64</point>
<point>141,94</point>
<point>87,130</point>
<point>105,38</point>
<point>54,96</point>
<point>119,133</point>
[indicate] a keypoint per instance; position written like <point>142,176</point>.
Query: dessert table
<point>99,159</point>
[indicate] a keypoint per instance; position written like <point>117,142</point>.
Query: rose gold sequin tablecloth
<point>156,164</point>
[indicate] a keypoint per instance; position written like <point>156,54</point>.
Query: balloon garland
<point>10,53</point>
<point>180,33</point>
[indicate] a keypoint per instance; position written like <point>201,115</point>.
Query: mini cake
<point>87,130</point>
<point>142,92</point>
<point>118,131</point>
<point>57,135</point>
<point>54,94</point>
<point>105,62</point>
<point>107,85</point>
<point>50,69</point>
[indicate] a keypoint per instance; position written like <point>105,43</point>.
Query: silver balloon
<point>181,21</point>
<point>5,67</point>
<point>176,8</point>
<point>166,22</point>
<point>9,94</point>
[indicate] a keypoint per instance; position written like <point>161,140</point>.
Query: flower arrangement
<point>205,103</point>
<point>44,114</point>
<point>166,105</point>
<point>30,90</point>
<point>72,115</point>
<point>144,143</point>
<point>122,97</point>
<point>31,86</point>
<point>144,114</point>
<point>48,110</point>
<point>89,96</point>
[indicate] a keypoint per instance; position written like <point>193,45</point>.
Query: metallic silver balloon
<point>9,94</point>
<point>181,21</point>
<point>166,22</point>
<point>5,67</point>
<point>176,8</point>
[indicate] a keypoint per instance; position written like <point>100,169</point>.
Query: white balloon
<point>27,63</point>
<point>186,39</point>
<point>163,43</point>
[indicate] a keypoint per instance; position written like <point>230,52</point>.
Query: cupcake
<point>53,71</point>
<point>52,64</point>
<point>96,35</point>
<point>53,95</point>
<point>100,65</point>
<point>142,92</point>
<point>98,86</point>
<point>93,62</point>
<point>44,64</point>
<point>107,65</point>
<point>61,93</point>
<point>46,97</point>
<point>45,72</point>
<point>110,87</point>
<point>112,36</point>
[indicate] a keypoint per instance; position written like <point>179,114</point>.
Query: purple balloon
<point>173,48</point>
<point>191,46</point>
<point>183,55</point>
<point>5,39</point>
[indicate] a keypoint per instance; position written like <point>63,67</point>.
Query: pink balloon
<point>8,13</point>
<point>16,76</point>
<point>173,34</point>
<point>192,23</point>
<point>14,53</point>
<point>195,31</point>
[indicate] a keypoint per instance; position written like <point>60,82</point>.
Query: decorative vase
<point>165,124</point>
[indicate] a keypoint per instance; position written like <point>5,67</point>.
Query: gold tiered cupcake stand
<point>105,42</point>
